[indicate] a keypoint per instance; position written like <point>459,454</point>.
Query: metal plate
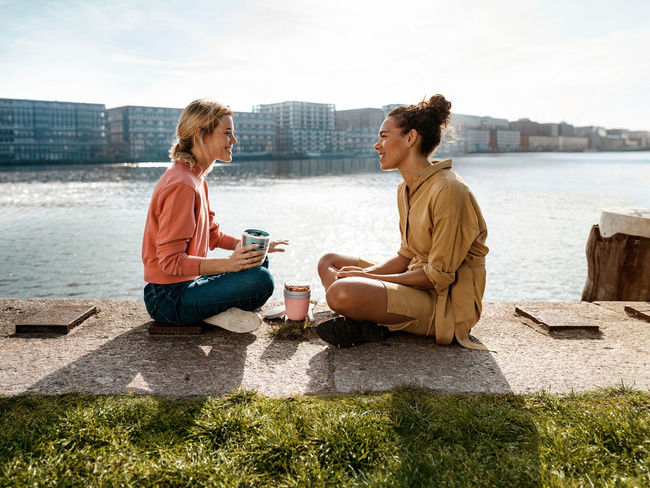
<point>554,319</point>
<point>58,319</point>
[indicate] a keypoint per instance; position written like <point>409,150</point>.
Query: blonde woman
<point>434,285</point>
<point>184,286</point>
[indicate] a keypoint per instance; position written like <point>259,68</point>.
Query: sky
<point>584,62</point>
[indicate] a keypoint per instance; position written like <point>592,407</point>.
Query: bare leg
<point>362,299</point>
<point>330,263</point>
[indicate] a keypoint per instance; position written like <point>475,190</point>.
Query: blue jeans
<point>189,302</point>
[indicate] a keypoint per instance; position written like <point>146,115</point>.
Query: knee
<point>326,261</point>
<point>340,298</point>
<point>263,281</point>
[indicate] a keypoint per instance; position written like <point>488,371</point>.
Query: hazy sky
<point>580,61</point>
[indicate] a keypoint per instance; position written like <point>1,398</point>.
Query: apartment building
<point>34,131</point>
<point>556,143</point>
<point>49,131</point>
<point>141,134</point>
<point>255,133</point>
<point>361,127</point>
<point>304,128</point>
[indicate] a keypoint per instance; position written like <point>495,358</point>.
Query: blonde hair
<point>203,115</point>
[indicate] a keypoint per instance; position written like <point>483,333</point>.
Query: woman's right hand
<point>244,257</point>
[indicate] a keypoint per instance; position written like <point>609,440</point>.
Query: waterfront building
<point>305,128</point>
<point>387,108</point>
<point>455,140</point>
<point>556,143</point>
<point>361,127</point>
<point>573,143</point>
<point>593,135</point>
<point>33,131</point>
<point>494,123</point>
<point>141,134</point>
<point>639,138</point>
<point>526,127</point>
<point>361,140</point>
<point>566,130</point>
<point>255,133</point>
<point>476,140</point>
<point>463,122</point>
<point>359,117</point>
<point>505,140</point>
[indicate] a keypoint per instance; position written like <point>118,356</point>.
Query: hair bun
<point>440,107</point>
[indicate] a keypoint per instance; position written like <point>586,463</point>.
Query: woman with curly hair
<point>434,285</point>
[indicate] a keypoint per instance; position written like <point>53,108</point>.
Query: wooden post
<point>618,257</point>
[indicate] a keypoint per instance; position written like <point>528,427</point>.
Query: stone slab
<point>113,353</point>
<point>158,329</point>
<point>59,319</point>
<point>641,312</point>
<point>554,319</point>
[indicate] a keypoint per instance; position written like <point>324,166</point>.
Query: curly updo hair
<point>201,114</point>
<point>429,118</point>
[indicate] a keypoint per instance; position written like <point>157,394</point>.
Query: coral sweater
<point>180,227</point>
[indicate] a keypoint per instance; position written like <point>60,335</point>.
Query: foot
<point>236,320</point>
<point>344,332</point>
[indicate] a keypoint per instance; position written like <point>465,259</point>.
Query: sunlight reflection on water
<point>76,231</point>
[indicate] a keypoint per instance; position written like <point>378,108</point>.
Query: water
<point>76,231</point>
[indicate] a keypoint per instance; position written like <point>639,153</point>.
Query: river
<point>75,231</point>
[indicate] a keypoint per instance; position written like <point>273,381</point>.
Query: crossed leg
<point>355,298</point>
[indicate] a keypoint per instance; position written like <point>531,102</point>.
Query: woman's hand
<point>273,245</point>
<point>245,257</point>
<point>350,271</point>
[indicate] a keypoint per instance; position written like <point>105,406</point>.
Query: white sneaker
<point>236,320</point>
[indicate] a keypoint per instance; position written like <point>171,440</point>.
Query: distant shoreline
<point>271,158</point>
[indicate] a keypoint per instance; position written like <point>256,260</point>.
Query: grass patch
<point>291,329</point>
<point>404,438</point>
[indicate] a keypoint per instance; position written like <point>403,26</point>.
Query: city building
<point>255,133</point>
<point>505,140</point>
<point>359,117</point>
<point>141,134</point>
<point>361,127</point>
<point>386,109</point>
<point>556,143</point>
<point>305,128</point>
<point>33,131</point>
<point>494,123</point>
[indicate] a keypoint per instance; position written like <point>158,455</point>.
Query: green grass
<point>405,438</point>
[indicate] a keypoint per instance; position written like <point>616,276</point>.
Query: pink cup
<point>296,299</point>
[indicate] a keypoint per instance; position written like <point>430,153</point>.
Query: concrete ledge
<point>112,352</point>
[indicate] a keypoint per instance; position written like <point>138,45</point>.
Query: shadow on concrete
<point>212,363</point>
<point>113,353</point>
<point>405,359</point>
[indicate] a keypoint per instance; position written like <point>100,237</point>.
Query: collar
<point>429,171</point>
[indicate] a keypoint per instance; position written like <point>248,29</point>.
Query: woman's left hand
<point>273,245</point>
<point>350,271</point>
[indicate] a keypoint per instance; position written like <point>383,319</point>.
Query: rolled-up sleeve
<point>451,240</point>
<point>455,228</point>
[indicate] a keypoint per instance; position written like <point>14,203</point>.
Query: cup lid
<point>256,232</point>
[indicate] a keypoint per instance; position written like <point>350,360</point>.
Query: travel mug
<point>296,299</point>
